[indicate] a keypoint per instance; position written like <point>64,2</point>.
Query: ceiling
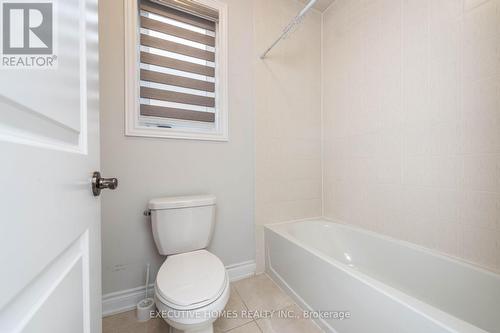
<point>320,5</point>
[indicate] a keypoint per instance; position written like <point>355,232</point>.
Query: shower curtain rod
<point>296,20</point>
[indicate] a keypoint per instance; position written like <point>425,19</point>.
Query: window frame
<point>133,124</point>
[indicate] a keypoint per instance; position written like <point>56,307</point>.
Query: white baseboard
<point>241,270</point>
<point>126,300</point>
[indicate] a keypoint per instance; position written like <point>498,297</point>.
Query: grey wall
<point>148,168</point>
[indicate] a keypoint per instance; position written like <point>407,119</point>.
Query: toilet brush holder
<point>147,305</point>
<point>144,309</point>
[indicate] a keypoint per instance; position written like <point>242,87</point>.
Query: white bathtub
<point>387,286</point>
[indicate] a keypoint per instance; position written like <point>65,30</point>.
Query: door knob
<point>99,183</point>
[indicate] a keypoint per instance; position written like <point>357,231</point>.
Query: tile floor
<point>258,293</point>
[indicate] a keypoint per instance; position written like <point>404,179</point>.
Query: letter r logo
<point>27,28</point>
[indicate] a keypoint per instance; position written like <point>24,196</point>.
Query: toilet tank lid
<point>181,202</point>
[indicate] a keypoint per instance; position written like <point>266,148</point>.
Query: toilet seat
<point>190,280</point>
<point>190,320</point>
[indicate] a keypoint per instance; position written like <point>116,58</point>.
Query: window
<point>176,69</point>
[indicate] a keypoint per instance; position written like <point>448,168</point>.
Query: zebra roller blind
<point>177,63</point>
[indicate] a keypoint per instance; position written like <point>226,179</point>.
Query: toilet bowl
<point>191,290</point>
<point>192,285</point>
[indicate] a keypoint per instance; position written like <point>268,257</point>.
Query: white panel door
<point>49,148</point>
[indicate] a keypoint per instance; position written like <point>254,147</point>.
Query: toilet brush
<point>145,306</point>
<point>147,280</point>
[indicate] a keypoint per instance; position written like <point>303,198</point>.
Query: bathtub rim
<point>439,317</point>
<point>433,252</point>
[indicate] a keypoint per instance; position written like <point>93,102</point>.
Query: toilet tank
<point>182,224</point>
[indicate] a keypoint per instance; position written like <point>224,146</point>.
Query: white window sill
<point>168,133</point>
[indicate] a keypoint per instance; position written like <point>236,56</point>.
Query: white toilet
<point>192,286</point>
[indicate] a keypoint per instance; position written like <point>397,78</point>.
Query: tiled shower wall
<point>412,121</point>
<point>288,117</point>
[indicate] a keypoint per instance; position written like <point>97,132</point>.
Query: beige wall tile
<point>288,117</point>
<point>420,153</point>
<point>481,246</point>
